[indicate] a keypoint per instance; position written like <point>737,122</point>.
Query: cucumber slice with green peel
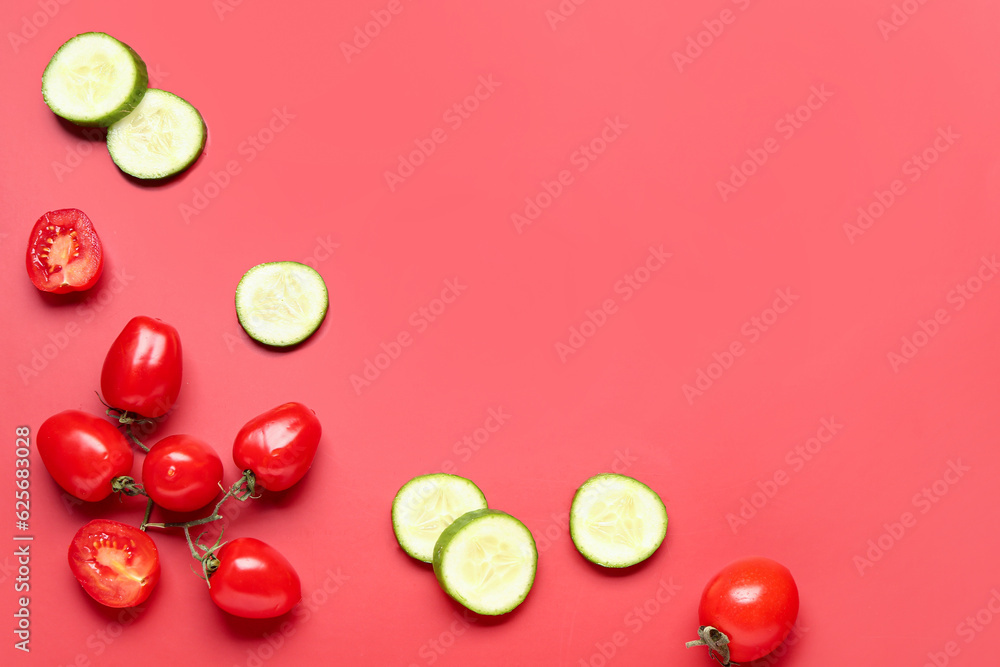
<point>163,136</point>
<point>486,561</point>
<point>281,303</point>
<point>425,506</point>
<point>617,521</point>
<point>94,80</point>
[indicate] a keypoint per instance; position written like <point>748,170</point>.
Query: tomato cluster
<point>118,564</point>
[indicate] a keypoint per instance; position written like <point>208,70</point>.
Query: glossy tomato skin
<point>117,564</point>
<point>254,580</point>
<point>64,252</point>
<point>182,473</point>
<point>142,371</point>
<point>755,602</point>
<point>278,445</point>
<point>83,453</point>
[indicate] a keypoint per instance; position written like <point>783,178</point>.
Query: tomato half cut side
<point>117,564</point>
<point>64,252</point>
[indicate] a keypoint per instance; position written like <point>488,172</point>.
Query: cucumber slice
<point>486,561</point>
<point>428,504</point>
<point>94,80</point>
<point>281,303</point>
<point>162,137</point>
<point>616,521</point>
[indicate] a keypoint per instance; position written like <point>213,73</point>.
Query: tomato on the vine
<point>181,473</point>
<point>251,579</point>
<point>142,371</point>
<point>747,610</point>
<point>279,445</point>
<point>117,564</point>
<point>83,453</point>
<point>64,253</point>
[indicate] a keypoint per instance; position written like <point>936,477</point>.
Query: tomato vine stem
<point>717,643</point>
<point>127,420</point>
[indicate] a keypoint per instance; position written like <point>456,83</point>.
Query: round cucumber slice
<point>617,521</point>
<point>163,136</point>
<point>486,561</point>
<point>94,80</point>
<point>428,504</point>
<point>281,303</point>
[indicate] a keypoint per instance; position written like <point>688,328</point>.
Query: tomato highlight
<point>279,445</point>
<point>142,370</point>
<point>182,473</point>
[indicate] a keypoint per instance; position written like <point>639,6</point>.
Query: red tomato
<point>753,602</point>
<point>83,453</point>
<point>64,252</point>
<point>253,580</point>
<point>279,445</point>
<point>142,372</point>
<point>182,473</point>
<point>116,564</point>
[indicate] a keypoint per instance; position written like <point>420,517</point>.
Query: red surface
<point>312,186</point>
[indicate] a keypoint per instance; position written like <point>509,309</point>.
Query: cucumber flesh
<point>428,504</point>
<point>617,521</point>
<point>163,136</point>
<point>486,561</point>
<point>94,80</point>
<point>281,303</point>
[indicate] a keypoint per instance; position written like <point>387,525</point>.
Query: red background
<point>316,191</point>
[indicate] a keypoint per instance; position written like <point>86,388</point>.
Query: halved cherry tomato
<point>278,445</point>
<point>753,602</point>
<point>142,371</point>
<point>118,565</point>
<point>64,252</point>
<point>182,473</point>
<point>253,580</point>
<point>83,453</point>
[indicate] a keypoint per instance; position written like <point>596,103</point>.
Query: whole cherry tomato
<point>64,252</point>
<point>278,445</point>
<point>253,580</point>
<point>118,565</point>
<point>142,372</point>
<point>83,453</point>
<point>747,610</point>
<point>182,473</point>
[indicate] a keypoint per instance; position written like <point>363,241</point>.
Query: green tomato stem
<point>717,643</point>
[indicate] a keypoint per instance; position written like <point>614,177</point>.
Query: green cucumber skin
<point>416,480</point>
<point>177,168</point>
<point>242,317</point>
<point>131,102</point>
<point>460,523</point>
<point>591,557</point>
